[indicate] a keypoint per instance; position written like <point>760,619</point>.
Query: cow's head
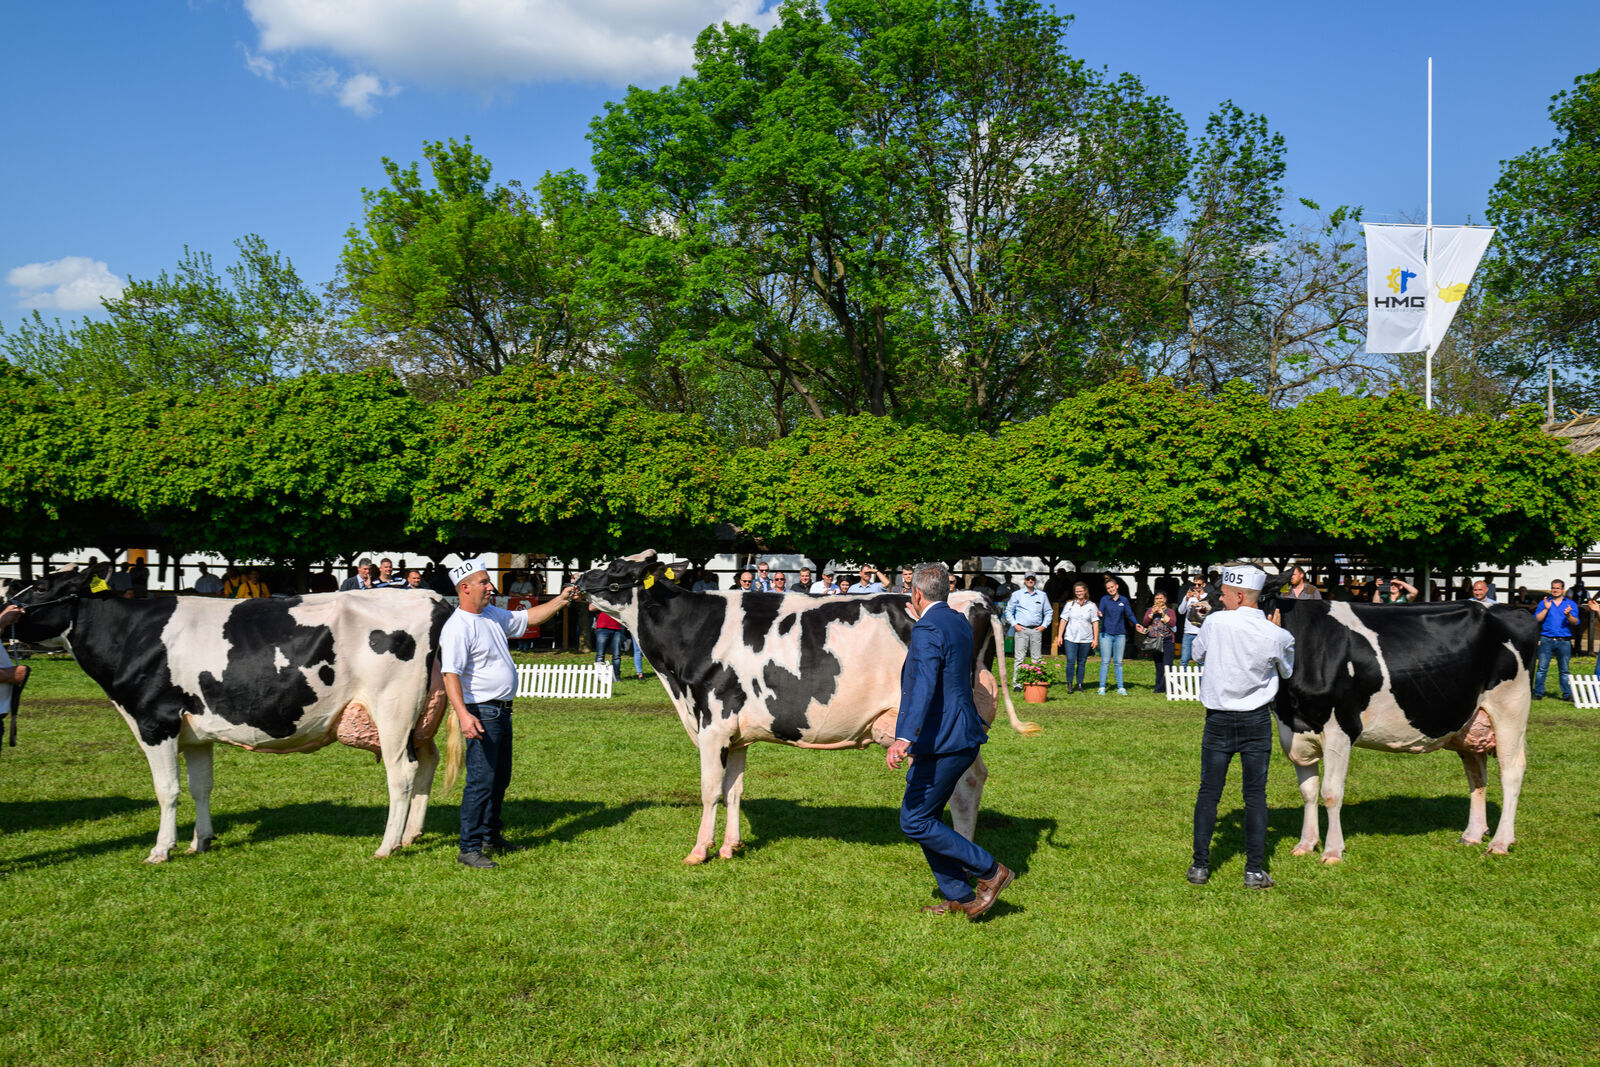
<point>615,587</point>
<point>47,605</point>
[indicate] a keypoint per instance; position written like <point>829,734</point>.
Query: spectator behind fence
<point>746,582</point>
<point>1194,609</point>
<point>780,583</point>
<point>1116,622</point>
<point>1480,592</point>
<point>1029,614</point>
<point>825,586</point>
<point>872,581</point>
<point>607,638</point>
<point>386,578</point>
<point>1395,591</point>
<point>414,579</point>
<point>362,579</point>
<point>1078,633</point>
<point>323,581</point>
<point>206,583</point>
<point>250,586</point>
<point>1299,588</point>
<point>905,579</point>
<point>139,578</point>
<point>802,582</point>
<point>1159,625</point>
<point>761,581</point>
<point>1558,617</point>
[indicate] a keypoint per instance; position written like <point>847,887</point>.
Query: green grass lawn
<point>290,943</point>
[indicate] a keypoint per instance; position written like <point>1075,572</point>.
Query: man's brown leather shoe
<point>944,907</point>
<point>987,890</point>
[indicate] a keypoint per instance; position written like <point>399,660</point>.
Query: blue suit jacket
<point>936,709</point>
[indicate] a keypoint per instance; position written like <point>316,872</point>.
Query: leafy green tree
<point>450,281</point>
<point>1546,260</point>
<point>41,447</point>
<point>571,463</point>
<point>307,469</point>
<point>192,329</point>
<point>921,208</point>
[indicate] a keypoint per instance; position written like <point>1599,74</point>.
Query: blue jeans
<point>1077,660</point>
<point>638,655</point>
<point>1562,651</point>
<point>1184,658</point>
<point>930,780</point>
<point>1248,733</point>
<point>488,774</point>
<point>608,639</point>
<point>1111,647</point>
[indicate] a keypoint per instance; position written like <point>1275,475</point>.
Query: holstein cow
<point>1405,678</point>
<point>819,672</point>
<point>289,675</point>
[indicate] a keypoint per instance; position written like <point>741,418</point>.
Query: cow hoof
<point>697,857</point>
<point>1332,857</point>
<point>727,852</point>
<point>1497,849</point>
<point>156,857</point>
<point>1472,839</point>
<point>1304,850</point>
<point>203,845</point>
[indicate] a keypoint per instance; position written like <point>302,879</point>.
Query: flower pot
<point>1035,692</point>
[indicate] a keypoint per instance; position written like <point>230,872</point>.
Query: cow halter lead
<point>12,599</point>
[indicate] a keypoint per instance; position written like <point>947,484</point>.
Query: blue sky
<point>136,129</point>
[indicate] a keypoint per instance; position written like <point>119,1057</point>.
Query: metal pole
<point>1427,371</point>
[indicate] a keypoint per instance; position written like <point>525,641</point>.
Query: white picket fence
<point>565,680</point>
<point>1183,683</point>
<point>1586,690</point>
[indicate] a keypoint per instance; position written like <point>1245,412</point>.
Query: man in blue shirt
<point>1029,613</point>
<point>1557,617</point>
<point>874,584</point>
<point>1116,621</point>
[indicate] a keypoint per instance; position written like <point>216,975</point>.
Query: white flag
<point>1456,252</point>
<point>1397,288</point>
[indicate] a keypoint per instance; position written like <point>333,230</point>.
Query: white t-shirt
<point>1244,656</point>
<point>1080,620</point>
<point>474,648</point>
<point>5,687</point>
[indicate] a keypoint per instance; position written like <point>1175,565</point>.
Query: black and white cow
<point>288,675</point>
<point>1405,678</point>
<point>813,672</point>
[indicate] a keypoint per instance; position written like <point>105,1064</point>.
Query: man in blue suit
<point>940,726</point>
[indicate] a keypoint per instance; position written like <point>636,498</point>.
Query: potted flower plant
<point>1034,674</point>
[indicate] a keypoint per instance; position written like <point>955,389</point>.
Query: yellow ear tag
<point>649,580</point>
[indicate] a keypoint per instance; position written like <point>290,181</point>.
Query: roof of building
<point>1581,433</point>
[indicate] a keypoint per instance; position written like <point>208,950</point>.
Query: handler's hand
<point>570,593</point>
<point>10,614</point>
<point>471,726</point>
<point>897,754</point>
<point>1277,617</point>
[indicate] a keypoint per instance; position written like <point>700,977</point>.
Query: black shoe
<point>476,860</point>
<point>1199,875</point>
<point>502,846</point>
<point>1257,880</point>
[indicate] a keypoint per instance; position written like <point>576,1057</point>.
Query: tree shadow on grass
<point>1013,838</point>
<point>1391,815</point>
<point>542,820</point>
<point>23,816</point>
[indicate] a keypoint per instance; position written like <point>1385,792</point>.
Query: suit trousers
<point>955,861</point>
<point>1029,644</point>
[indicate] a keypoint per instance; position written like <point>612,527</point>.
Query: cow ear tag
<point>649,580</point>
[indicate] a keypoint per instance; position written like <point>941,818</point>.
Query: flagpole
<point>1427,365</point>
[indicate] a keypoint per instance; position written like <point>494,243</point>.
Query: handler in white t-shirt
<point>10,676</point>
<point>481,680</point>
<point>1245,655</point>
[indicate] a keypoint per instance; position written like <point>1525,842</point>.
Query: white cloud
<point>71,283</point>
<point>494,43</point>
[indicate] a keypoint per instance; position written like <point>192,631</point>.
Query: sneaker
<point>476,860</point>
<point>1199,875</point>
<point>1102,690</point>
<point>1257,880</point>
<point>1122,692</point>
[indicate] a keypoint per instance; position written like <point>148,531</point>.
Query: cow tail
<point>455,748</point>
<point>1000,679</point>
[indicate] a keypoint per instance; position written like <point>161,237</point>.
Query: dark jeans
<point>488,774</point>
<point>1562,651</point>
<point>1077,660</point>
<point>1248,733</point>
<point>1163,661</point>
<point>929,782</point>
<point>608,640</point>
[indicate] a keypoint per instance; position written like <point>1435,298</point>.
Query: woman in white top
<point>1077,633</point>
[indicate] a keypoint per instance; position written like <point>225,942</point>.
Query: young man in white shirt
<point>1245,655</point>
<point>480,681</point>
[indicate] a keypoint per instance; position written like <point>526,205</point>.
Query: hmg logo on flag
<point>1398,278</point>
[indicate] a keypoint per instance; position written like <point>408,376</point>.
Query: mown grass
<point>289,943</point>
